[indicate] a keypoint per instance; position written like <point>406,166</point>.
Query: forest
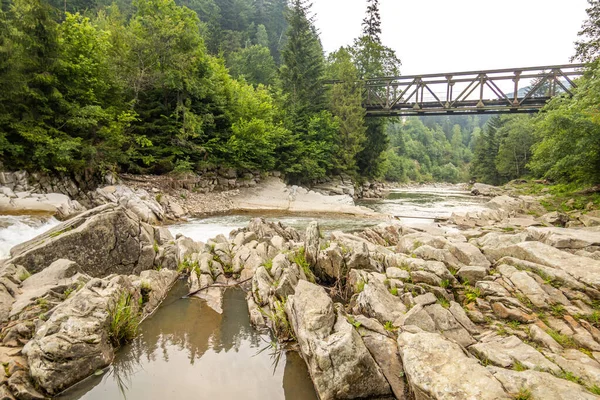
<point>176,86</point>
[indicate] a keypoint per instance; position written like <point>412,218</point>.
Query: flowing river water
<point>187,351</point>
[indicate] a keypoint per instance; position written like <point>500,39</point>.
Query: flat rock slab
<point>437,368</point>
<point>583,269</point>
<point>541,385</point>
<point>508,351</point>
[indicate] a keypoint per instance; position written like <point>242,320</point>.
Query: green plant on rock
<point>24,275</point>
<point>360,286</point>
<point>518,366</point>
<point>353,321</point>
<point>558,310</point>
<point>445,283</point>
<point>443,302</point>
<point>123,319</point>
<point>523,394</point>
<point>299,258</point>
<point>514,324</point>
<point>394,291</point>
<point>389,326</point>
<point>564,340</point>
<point>594,389</point>
<point>43,303</point>
<point>155,247</point>
<point>471,294</point>
<point>158,197</point>
<point>268,265</point>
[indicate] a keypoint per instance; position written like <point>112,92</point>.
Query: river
<point>195,353</point>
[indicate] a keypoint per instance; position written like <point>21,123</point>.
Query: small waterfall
<point>18,229</point>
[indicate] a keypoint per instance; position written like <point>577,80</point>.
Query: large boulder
<point>437,368</point>
<point>77,339</point>
<point>108,239</point>
<point>339,363</point>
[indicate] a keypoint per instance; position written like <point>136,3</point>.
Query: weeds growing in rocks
<point>445,283</point>
<point>563,340</point>
<point>594,389</point>
<point>394,291</point>
<point>444,302</point>
<point>353,322</point>
<point>360,286</point>
<point>558,310</point>
<point>155,246</point>
<point>389,326</point>
<point>471,293</point>
<point>24,275</point>
<point>124,319</point>
<point>268,265</point>
<point>299,257</point>
<point>523,394</point>
<point>518,366</point>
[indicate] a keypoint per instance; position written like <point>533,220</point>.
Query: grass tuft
<point>124,320</point>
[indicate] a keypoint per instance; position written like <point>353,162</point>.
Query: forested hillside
<point>168,86</point>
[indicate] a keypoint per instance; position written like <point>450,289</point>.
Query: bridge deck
<point>515,90</point>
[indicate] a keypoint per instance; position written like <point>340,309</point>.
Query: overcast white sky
<point>433,36</point>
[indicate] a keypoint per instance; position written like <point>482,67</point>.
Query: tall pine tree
<point>303,67</point>
<point>374,60</point>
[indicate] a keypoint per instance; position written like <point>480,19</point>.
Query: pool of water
<point>187,351</point>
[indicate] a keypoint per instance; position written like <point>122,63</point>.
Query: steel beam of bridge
<point>500,91</point>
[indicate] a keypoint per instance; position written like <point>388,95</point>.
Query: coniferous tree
<point>303,67</point>
<point>346,104</point>
<point>374,60</point>
<point>372,22</point>
<point>587,50</point>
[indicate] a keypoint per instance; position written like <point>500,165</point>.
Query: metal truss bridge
<point>501,91</point>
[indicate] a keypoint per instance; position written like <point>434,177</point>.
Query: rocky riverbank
<point>495,304</point>
<point>160,199</point>
<point>504,307</point>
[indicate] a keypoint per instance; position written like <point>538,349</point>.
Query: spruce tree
<point>372,22</point>
<point>303,67</point>
<point>587,50</point>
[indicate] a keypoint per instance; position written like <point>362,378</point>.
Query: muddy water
<point>188,351</point>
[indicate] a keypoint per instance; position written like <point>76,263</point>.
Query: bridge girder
<point>480,92</point>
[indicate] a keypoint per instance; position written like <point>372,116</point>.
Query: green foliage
<point>569,135</point>
<point>389,326</point>
<point>360,286</point>
<point>394,291</point>
<point>123,318</point>
<point>299,258</point>
<point>255,64</point>
<point>353,322</point>
<point>471,294</point>
<point>23,275</point>
<point>523,394</point>
<point>443,302</point>
<point>563,340</point>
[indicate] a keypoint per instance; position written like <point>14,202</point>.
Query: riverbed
<point>188,351</point>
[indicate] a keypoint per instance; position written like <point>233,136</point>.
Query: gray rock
<point>425,299</point>
<point>506,351</point>
<point>102,241</point>
<point>437,368</point>
<point>385,352</point>
<point>377,302</point>
<point>75,341</point>
<point>541,385</point>
<point>578,364</point>
<point>446,324</point>
<point>339,363</point>
<point>472,274</point>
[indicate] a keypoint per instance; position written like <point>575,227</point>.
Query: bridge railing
<point>511,90</point>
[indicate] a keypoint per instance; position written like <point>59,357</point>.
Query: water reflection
<point>188,351</point>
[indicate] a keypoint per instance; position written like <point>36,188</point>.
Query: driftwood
<point>218,285</point>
